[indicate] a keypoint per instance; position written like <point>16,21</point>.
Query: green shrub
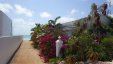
<point>108,44</point>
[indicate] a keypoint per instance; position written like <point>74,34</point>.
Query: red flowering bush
<point>64,37</point>
<point>48,46</point>
<point>33,37</point>
<point>45,38</point>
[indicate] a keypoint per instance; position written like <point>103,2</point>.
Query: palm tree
<point>53,22</point>
<point>36,29</point>
<point>57,27</point>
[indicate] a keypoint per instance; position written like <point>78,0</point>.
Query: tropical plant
<point>108,44</point>
<point>94,43</point>
<point>53,22</point>
<point>56,27</point>
<point>45,36</point>
<point>70,59</point>
<point>55,60</point>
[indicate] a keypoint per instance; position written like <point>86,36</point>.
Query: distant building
<point>69,27</point>
<point>5,25</point>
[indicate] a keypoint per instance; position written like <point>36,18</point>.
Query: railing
<point>8,45</point>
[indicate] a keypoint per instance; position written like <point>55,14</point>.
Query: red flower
<point>48,46</point>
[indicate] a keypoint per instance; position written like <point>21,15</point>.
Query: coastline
<point>26,37</point>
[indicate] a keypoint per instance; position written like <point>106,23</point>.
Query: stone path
<point>26,55</point>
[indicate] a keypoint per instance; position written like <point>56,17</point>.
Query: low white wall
<point>8,46</point>
<point>5,25</point>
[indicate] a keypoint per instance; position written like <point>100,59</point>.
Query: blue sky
<point>25,13</point>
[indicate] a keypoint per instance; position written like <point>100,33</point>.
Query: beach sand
<point>26,55</point>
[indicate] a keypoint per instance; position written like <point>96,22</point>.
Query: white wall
<point>5,25</point>
<point>8,46</point>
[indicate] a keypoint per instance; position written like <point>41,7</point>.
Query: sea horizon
<point>26,37</point>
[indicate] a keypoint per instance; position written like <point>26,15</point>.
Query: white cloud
<point>45,15</point>
<point>111,15</point>
<point>110,1</point>
<point>21,27</point>
<point>23,11</point>
<point>73,11</point>
<point>5,7</point>
<point>65,19</point>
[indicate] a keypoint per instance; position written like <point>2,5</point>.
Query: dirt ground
<point>26,55</point>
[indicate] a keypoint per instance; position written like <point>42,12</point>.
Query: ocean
<point>26,37</point>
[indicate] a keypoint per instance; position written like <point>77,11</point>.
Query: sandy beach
<point>26,55</point>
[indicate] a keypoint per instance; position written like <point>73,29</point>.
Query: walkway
<point>26,55</point>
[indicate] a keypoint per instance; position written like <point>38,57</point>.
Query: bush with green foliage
<point>94,42</point>
<point>44,38</point>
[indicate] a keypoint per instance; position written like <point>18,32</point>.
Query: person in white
<point>59,44</point>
